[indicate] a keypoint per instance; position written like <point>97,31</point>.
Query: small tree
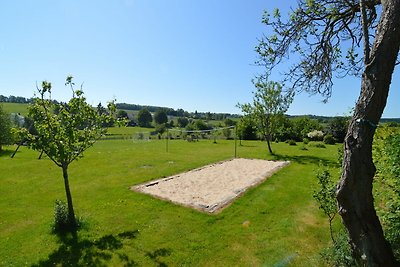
<point>144,118</point>
<point>160,117</point>
<point>5,128</point>
<point>65,135</point>
<point>122,114</point>
<point>246,129</point>
<point>183,121</point>
<point>269,105</point>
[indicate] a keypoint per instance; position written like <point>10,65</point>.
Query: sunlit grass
<point>275,222</point>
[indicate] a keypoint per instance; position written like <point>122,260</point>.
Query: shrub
<point>291,142</point>
<point>329,139</point>
<point>306,141</point>
<point>339,254</point>
<point>319,145</point>
<point>315,135</point>
<point>60,216</point>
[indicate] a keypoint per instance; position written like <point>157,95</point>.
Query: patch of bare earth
<point>212,187</point>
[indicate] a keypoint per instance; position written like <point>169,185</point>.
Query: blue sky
<point>195,55</point>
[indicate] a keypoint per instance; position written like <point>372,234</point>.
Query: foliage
<point>60,216</point>
<point>227,132</point>
<point>144,118</point>
<point>387,158</point>
<point>102,111</point>
<point>268,107</point>
<point>229,122</point>
<point>325,38</point>
<point>303,125</point>
<point>291,142</point>
<point>246,129</point>
<point>339,253</point>
<point>6,137</point>
<point>122,114</point>
<point>318,144</point>
<point>182,122</point>
<point>316,135</point>
<point>337,127</point>
<point>160,117</point>
<point>325,196</point>
<point>161,128</point>
<point>197,125</point>
<point>296,128</point>
<point>329,139</point>
<point>64,130</point>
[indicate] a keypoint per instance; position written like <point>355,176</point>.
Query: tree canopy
<point>160,117</point>
<point>144,118</point>
<point>269,105</point>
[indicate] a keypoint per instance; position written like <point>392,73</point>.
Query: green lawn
<point>16,108</point>
<point>274,223</point>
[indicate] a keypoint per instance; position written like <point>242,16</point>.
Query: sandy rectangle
<point>212,187</point>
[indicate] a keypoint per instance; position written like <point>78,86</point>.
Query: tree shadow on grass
<point>75,251</point>
<point>6,153</point>
<point>307,160</point>
<point>154,256</point>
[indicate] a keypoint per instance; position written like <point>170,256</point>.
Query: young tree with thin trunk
<point>326,37</point>
<point>269,105</point>
<point>64,135</point>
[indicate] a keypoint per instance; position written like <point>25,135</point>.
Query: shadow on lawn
<point>307,160</point>
<point>74,251</point>
<point>6,153</point>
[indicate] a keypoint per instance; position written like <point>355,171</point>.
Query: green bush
<point>306,141</point>
<point>60,216</point>
<point>387,183</point>
<point>291,142</point>
<point>319,145</point>
<point>329,139</point>
<point>339,254</point>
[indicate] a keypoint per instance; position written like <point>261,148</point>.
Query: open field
<point>16,108</point>
<point>274,223</point>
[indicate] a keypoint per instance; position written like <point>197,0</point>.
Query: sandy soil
<point>212,187</point>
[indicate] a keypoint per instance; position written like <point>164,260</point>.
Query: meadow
<point>278,223</point>
<point>16,108</point>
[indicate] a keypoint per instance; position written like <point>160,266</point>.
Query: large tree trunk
<point>354,194</point>
<point>71,213</point>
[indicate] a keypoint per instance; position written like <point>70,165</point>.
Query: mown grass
<point>277,222</point>
<point>15,108</point>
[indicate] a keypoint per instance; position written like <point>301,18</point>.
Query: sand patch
<point>212,187</point>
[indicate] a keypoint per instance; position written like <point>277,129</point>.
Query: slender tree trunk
<point>354,193</point>
<point>269,145</point>
<point>71,213</point>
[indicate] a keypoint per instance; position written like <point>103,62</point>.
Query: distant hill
<point>18,104</point>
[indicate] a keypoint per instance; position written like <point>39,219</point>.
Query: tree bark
<point>71,213</point>
<point>354,193</point>
<point>269,145</point>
